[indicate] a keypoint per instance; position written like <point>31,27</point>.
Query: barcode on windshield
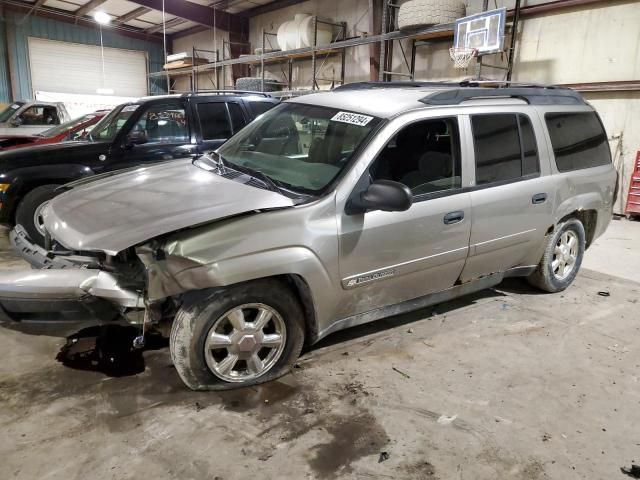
<point>352,118</point>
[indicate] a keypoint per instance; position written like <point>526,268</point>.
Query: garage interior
<point>504,383</point>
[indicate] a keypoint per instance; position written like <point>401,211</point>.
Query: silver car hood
<point>118,212</point>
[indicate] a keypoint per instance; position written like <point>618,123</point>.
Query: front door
<point>512,198</point>
<point>390,257</point>
<point>159,133</point>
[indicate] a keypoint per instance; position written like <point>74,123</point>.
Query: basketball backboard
<point>483,32</point>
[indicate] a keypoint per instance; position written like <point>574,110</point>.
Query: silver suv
<point>329,211</point>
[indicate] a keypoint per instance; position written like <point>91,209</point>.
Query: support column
<point>375,28</point>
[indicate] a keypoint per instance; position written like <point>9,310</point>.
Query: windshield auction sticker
<point>352,118</point>
<point>130,108</point>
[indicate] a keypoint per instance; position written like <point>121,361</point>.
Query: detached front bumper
<point>64,295</point>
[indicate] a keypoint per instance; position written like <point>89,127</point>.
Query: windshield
<point>303,147</point>
<point>109,126</point>
<point>8,112</point>
<point>68,126</point>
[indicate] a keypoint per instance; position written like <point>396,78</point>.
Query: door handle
<point>539,198</point>
<point>453,217</point>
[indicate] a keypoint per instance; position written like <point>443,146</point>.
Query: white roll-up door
<point>75,68</point>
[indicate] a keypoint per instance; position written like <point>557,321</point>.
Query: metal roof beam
<point>133,14</point>
<point>88,7</point>
<point>269,7</point>
<point>199,14</point>
<point>168,24</point>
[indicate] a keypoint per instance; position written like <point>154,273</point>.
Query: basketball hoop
<point>461,56</point>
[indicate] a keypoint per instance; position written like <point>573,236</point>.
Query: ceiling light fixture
<point>102,18</point>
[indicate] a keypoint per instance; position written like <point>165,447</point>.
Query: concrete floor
<point>508,383</point>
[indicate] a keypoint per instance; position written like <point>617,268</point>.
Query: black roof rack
<point>225,92</point>
<point>399,84</point>
<point>453,93</point>
<point>531,95</point>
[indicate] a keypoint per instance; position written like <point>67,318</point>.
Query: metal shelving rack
<point>313,53</point>
<point>191,72</point>
<point>419,39</point>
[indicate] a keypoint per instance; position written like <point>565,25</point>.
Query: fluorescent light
<point>104,91</point>
<point>102,18</point>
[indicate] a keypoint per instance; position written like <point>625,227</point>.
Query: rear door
<point>512,194</point>
<point>217,120</point>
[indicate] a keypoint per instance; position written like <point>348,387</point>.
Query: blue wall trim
<point>47,28</point>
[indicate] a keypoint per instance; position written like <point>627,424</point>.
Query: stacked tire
<point>420,13</point>
<point>254,84</point>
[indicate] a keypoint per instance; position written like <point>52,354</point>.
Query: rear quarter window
<point>578,140</point>
<point>258,108</point>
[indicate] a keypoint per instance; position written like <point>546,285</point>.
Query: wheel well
<point>589,220</point>
<point>27,188</point>
<point>301,289</point>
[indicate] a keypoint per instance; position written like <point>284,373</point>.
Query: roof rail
<point>225,92</point>
<point>399,84</point>
<point>531,95</point>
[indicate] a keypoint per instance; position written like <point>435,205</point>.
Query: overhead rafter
<point>199,14</point>
<point>133,14</point>
<point>269,7</point>
<point>69,17</point>
<point>168,24</point>
<point>88,7</point>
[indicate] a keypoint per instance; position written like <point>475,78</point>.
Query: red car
<point>74,129</point>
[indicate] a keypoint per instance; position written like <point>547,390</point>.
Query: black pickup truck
<point>152,129</point>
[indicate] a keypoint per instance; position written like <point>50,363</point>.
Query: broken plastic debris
<point>383,457</point>
<point>444,420</point>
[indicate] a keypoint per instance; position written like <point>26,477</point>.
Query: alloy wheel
<point>565,255</point>
<point>245,342</point>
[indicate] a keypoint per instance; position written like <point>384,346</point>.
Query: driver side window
<point>40,115</point>
<point>424,156</point>
<point>163,124</point>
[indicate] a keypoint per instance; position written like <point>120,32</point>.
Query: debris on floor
<point>384,456</point>
<point>401,372</point>
<point>604,294</point>
<point>633,471</point>
<point>444,420</point>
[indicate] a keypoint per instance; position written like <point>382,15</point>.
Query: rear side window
<point>258,108</point>
<point>505,148</point>
<point>237,117</point>
<point>214,121</point>
<point>578,140</point>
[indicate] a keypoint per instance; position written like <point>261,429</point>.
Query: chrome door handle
<point>453,217</point>
<point>539,198</point>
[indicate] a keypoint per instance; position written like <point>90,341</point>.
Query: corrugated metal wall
<point>41,27</point>
<point>5,94</point>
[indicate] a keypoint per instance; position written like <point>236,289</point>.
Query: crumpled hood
<point>118,212</point>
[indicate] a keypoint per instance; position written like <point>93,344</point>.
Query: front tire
<point>29,211</point>
<point>237,336</point>
<point>562,257</point>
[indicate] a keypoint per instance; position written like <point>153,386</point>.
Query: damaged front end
<point>68,286</point>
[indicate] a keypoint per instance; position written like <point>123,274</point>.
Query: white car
<point>23,117</point>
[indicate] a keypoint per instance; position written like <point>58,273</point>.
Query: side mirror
<point>16,122</point>
<point>385,195</point>
<point>137,137</point>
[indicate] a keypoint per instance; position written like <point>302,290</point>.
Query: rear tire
<point>29,209</point>
<point>214,347</point>
<point>562,257</point>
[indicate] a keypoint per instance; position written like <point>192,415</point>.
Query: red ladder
<point>633,199</point>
